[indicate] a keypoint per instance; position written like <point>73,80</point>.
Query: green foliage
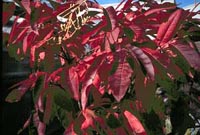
<point>180,116</point>
<point>114,67</point>
<point>113,122</point>
<point>14,96</point>
<point>12,51</point>
<point>153,123</point>
<point>129,33</point>
<point>57,103</point>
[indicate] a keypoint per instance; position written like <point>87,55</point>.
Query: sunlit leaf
<point>120,80</point>
<point>89,78</point>
<point>135,124</point>
<point>167,29</point>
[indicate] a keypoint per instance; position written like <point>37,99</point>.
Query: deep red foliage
<point>78,52</point>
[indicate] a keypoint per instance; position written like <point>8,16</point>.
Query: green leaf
<point>161,77</point>
<point>61,98</point>
<point>63,117</point>
<point>181,61</point>
<point>14,96</point>
<point>113,122</point>
<point>12,51</point>
<point>92,13</point>
<point>34,15</point>
<point>130,62</point>
<point>112,47</point>
<point>158,105</point>
<point>57,101</point>
<point>48,108</point>
<point>7,13</point>
<point>179,116</point>
<point>110,15</point>
<point>144,93</point>
<point>152,123</point>
<point>146,44</point>
<point>143,68</point>
<point>114,67</point>
<point>129,33</point>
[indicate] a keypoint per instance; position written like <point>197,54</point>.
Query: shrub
<point>97,71</point>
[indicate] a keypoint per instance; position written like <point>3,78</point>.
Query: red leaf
<point>26,5</point>
<point>83,66</point>
<point>120,131</point>
<point>167,30</point>
<point>21,35</point>
<point>152,11</point>
<point>27,41</point>
<point>94,4</point>
<point>72,81</point>
<point>160,57</point>
<point>7,13</point>
<point>26,124</point>
<point>165,61</point>
<point>190,54</point>
<point>139,32</point>
<point>138,105</point>
<point>45,13</point>
<point>127,4</point>
<point>53,75</point>
<point>145,60</point>
<point>85,37</point>
<point>120,80</point>
<point>70,130</point>
<point>6,17</point>
<point>110,15</point>
<point>42,55</point>
<point>28,121</point>
<point>88,119</point>
<point>97,83</point>
<point>24,86</point>
<point>41,127</point>
<point>104,70</point>
<point>113,35</point>
<point>89,78</point>
<point>39,104</point>
<point>12,34</point>
<point>45,39</point>
<point>134,123</point>
<point>32,56</point>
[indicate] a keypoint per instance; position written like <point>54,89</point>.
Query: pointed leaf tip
<point>120,80</point>
<point>134,123</point>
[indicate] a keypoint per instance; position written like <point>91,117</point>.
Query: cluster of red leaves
<point>136,40</point>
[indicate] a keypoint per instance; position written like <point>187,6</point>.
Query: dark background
<point>13,115</point>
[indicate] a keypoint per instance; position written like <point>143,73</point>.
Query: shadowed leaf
<point>145,60</point>
<point>192,56</point>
